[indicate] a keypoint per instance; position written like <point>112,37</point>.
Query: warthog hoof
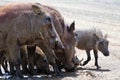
<point>1,74</point>
<point>60,74</point>
<point>98,67</point>
<point>42,71</point>
<point>70,69</point>
<point>19,74</point>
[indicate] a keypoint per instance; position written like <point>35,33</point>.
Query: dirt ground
<point>102,14</point>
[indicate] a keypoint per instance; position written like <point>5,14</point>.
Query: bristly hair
<point>98,32</point>
<point>38,3</point>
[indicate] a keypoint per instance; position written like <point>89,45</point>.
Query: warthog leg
<point>88,57</point>
<point>96,58</point>
<point>0,72</point>
<point>14,51</point>
<point>12,71</point>
<point>59,65</point>
<point>4,65</point>
<point>56,70</point>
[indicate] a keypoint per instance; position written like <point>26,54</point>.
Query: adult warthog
<point>67,35</point>
<point>92,39</point>
<point>22,24</point>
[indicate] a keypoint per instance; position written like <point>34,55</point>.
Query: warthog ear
<point>36,9</point>
<point>106,36</point>
<point>72,26</point>
<point>96,36</point>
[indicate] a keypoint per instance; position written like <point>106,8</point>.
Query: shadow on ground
<point>94,69</point>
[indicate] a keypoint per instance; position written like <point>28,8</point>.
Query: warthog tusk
<point>41,36</point>
<point>77,62</point>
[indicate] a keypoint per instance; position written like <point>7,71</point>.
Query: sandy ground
<point>102,14</point>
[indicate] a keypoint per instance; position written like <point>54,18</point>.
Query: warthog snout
<point>70,68</point>
<point>106,53</point>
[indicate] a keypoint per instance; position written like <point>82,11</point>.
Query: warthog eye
<point>101,42</point>
<point>48,18</point>
<point>39,13</point>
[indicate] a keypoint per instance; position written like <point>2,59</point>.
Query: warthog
<point>51,57</point>
<point>92,40</point>
<point>67,36</point>
<point>22,24</point>
<point>36,57</point>
<point>66,33</point>
<point>24,59</point>
<point>41,61</point>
